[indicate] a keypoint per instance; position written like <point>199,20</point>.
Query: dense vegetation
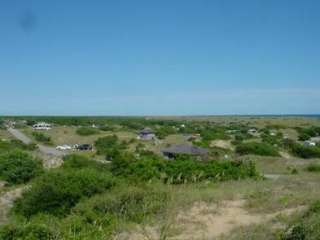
<point>182,170</point>
<point>89,198</point>
<point>303,151</point>
<point>110,146</point>
<point>262,149</point>
<point>306,227</point>
<point>41,137</point>
<point>59,190</point>
<point>18,167</point>
<point>9,145</point>
<point>87,131</point>
<point>307,133</point>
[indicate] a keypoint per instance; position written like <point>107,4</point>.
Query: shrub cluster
<point>165,131</point>
<point>303,151</point>
<point>262,149</point>
<point>307,133</point>
<point>40,137</point>
<point>18,167</point>
<point>87,131</point>
<point>182,170</point>
<point>110,146</point>
<point>59,190</point>
<point>313,167</point>
<point>95,218</point>
<point>6,146</point>
<point>307,227</point>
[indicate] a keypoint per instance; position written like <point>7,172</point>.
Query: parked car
<point>83,147</point>
<point>64,147</point>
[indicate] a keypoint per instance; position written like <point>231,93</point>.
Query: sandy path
<point>6,202</point>
<point>51,156</point>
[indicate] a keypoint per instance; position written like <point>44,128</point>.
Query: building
<point>174,150</point>
<point>146,134</point>
<point>193,137</point>
<point>42,126</point>
<point>309,143</point>
<point>252,131</point>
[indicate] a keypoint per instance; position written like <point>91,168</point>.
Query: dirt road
<point>51,151</point>
<point>19,135</point>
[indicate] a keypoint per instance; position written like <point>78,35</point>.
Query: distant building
<point>193,137</point>
<point>146,134</point>
<point>174,150</point>
<point>309,144</point>
<point>252,131</point>
<point>42,126</point>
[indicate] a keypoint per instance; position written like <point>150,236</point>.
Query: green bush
<point>87,131</point>
<point>307,133</point>
<point>18,167</point>
<point>313,168</point>
<point>165,131</point>
<point>183,169</point>
<point>262,149</point>
<point>109,146</point>
<point>40,137</point>
<point>307,227</point>
<point>127,203</point>
<point>59,190</point>
<point>303,151</point>
<point>74,161</point>
<point>6,146</point>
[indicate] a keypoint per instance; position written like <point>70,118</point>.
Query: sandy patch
<point>205,221</point>
<point>221,144</point>
<point>6,202</point>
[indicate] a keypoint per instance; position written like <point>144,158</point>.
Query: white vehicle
<point>41,126</point>
<point>63,147</point>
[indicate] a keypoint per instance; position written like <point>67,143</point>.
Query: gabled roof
<point>146,131</point>
<point>185,149</point>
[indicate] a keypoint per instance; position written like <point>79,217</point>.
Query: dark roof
<point>185,149</point>
<point>146,131</point>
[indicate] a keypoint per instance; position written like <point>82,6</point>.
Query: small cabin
<point>146,134</point>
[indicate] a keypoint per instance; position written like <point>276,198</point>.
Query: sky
<point>168,57</point>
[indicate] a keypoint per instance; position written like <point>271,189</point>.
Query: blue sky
<point>168,57</point>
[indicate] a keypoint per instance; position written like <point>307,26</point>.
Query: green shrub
<point>307,133</point>
<point>303,151</point>
<point>307,226</point>
<point>42,227</point>
<point>109,146</point>
<point>40,137</point>
<point>213,134</point>
<point>272,140</point>
<point>74,161</point>
<point>313,168</point>
<point>58,191</point>
<point>262,149</point>
<point>6,146</point>
<point>18,167</point>
<point>87,131</point>
<point>127,203</point>
<point>165,131</point>
<point>183,169</point>
<point>107,128</point>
